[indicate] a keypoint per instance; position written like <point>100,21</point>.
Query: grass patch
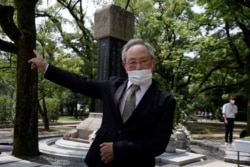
<point>247,138</point>
<point>67,119</point>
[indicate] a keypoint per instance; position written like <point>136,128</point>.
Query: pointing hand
<point>38,62</point>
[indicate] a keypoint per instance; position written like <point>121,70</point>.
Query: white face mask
<point>232,101</point>
<point>140,77</point>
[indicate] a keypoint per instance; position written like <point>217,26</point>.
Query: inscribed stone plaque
<point>114,21</point>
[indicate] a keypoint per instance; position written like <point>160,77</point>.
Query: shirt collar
<point>143,88</point>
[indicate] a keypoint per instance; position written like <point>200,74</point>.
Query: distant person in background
<point>229,111</point>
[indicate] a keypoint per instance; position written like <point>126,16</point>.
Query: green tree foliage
<point>6,108</point>
<point>201,47</point>
<point>227,25</point>
<point>72,48</point>
<point>166,25</point>
<point>22,43</point>
<point>19,39</point>
<point>53,108</point>
<point>203,54</point>
<point>7,73</point>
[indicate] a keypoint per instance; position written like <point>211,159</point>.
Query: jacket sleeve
<point>74,82</point>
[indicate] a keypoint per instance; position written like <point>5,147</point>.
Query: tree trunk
<point>247,39</point>
<point>246,32</point>
<point>44,114</point>
<point>26,118</point>
<point>248,89</point>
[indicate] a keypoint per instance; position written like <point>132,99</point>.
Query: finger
<point>32,60</point>
<point>103,144</point>
<point>103,158</point>
<point>37,54</point>
<point>33,66</point>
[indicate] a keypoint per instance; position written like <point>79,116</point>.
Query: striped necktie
<point>130,103</point>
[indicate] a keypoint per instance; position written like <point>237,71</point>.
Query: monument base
<point>85,128</point>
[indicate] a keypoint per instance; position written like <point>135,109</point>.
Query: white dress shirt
<point>229,110</point>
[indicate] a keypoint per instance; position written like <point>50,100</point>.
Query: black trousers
<point>229,130</point>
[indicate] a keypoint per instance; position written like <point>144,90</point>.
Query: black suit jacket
<point>139,140</point>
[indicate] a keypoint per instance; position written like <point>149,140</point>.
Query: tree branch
<point>228,88</point>
<point>7,23</point>
<point>245,3</point>
<point>128,1</point>
<point>232,46</point>
<point>8,46</point>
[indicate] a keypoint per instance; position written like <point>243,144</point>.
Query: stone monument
<point>114,26</point>
<point>181,139</point>
<point>171,147</point>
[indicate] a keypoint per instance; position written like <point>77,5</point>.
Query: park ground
<point>204,129</point>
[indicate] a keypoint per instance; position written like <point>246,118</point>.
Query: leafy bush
<point>6,108</point>
<point>53,108</point>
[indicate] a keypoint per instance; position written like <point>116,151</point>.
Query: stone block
<point>90,124</point>
<point>71,133</point>
<point>180,134</point>
<point>181,144</point>
<point>171,147</point>
<point>113,21</point>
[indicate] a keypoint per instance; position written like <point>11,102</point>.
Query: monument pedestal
<point>89,125</point>
<point>181,139</point>
<point>85,128</point>
<point>171,147</point>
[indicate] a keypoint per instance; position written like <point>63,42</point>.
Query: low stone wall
<point>209,146</point>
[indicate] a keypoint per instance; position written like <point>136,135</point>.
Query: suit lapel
<point>146,99</point>
<point>119,93</point>
<point>117,98</point>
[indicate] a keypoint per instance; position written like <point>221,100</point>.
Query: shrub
<point>6,108</point>
<point>53,108</point>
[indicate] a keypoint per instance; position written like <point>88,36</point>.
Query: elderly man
<point>137,116</point>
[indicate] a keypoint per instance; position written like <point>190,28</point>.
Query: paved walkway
<point>198,149</point>
<point>7,160</point>
<point>208,154</point>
